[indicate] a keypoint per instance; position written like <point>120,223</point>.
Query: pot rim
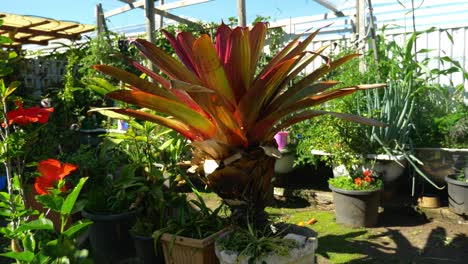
<point>450,179</point>
<point>101,216</point>
<point>353,192</point>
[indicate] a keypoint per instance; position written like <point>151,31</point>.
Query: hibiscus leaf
<point>27,256</point>
<point>69,202</point>
<point>42,223</point>
<point>76,228</point>
<point>52,202</point>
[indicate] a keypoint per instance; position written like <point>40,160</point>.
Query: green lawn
<point>336,243</point>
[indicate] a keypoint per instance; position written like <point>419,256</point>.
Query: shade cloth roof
<point>39,30</point>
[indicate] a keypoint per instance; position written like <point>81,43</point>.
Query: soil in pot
<point>356,208</point>
<point>110,237</point>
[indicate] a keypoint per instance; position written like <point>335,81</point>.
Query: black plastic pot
<point>144,246</point>
<point>356,208</point>
<point>109,236</point>
<point>457,195</point>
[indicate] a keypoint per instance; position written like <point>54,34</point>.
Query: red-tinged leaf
<point>270,131</point>
<point>233,133</point>
<point>257,43</point>
<point>184,129</point>
<point>158,78</point>
<point>253,101</point>
<point>190,88</point>
<point>215,149</point>
<point>180,51</point>
<point>238,61</point>
<point>279,56</point>
<point>272,118</point>
<point>307,92</point>
<point>173,108</point>
<point>186,99</point>
<point>291,120</point>
<point>222,35</point>
<point>134,81</point>
<point>166,63</point>
<point>209,67</point>
<point>186,40</point>
<point>202,95</point>
<point>303,44</point>
<point>295,89</point>
<point>318,73</point>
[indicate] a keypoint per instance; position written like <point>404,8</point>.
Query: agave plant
<point>230,111</point>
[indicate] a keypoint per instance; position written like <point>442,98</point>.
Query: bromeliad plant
<point>217,98</point>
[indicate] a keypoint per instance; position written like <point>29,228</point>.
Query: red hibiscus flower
<point>358,181</point>
<point>24,116</point>
<point>368,179</point>
<point>52,171</point>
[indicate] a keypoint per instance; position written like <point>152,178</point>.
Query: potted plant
<point>357,198</point>
<point>214,97</point>
<point>458,191</point>
<point>191,230</point>
<point>109,196</point>
<point>263,246</point>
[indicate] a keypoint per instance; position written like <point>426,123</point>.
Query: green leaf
<point>51,201</point>
<point>101,86</point>
<point>107,111</point>
<point>39,224</point>
<point>22,256</point>
<point>69,203</point>
<point>74,229</point>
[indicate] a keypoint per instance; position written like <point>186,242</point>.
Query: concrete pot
<point>305,254</point>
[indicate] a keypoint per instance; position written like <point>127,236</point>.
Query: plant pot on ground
<point>109,207</point>
<point>357,199</point>
<point>287,244</point>
<point>458,192</point>
<point>191,230</point>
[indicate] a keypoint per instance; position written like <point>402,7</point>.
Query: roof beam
<point>52,33</point>
<point>165,13</point>
<point>140,4</point>
<point>330,6</point>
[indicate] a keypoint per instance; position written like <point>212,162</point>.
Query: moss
<point>337,243</point>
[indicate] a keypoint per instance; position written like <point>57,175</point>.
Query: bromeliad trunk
<point>245,185</point>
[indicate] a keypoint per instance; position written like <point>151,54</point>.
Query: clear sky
<point>84,10</point>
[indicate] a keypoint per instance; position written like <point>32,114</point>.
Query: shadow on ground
<point>392,246</point>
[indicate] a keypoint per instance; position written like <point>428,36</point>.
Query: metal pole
<point>150,36</point>
<point>99,19</point>
<point>361,28</point>
<point>241,13</point>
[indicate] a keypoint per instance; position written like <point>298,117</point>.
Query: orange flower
<point>24,116</point>
<point>368,179</point>
<point>52,171</point>
<point>367,173</point>
<point>358,181</point>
